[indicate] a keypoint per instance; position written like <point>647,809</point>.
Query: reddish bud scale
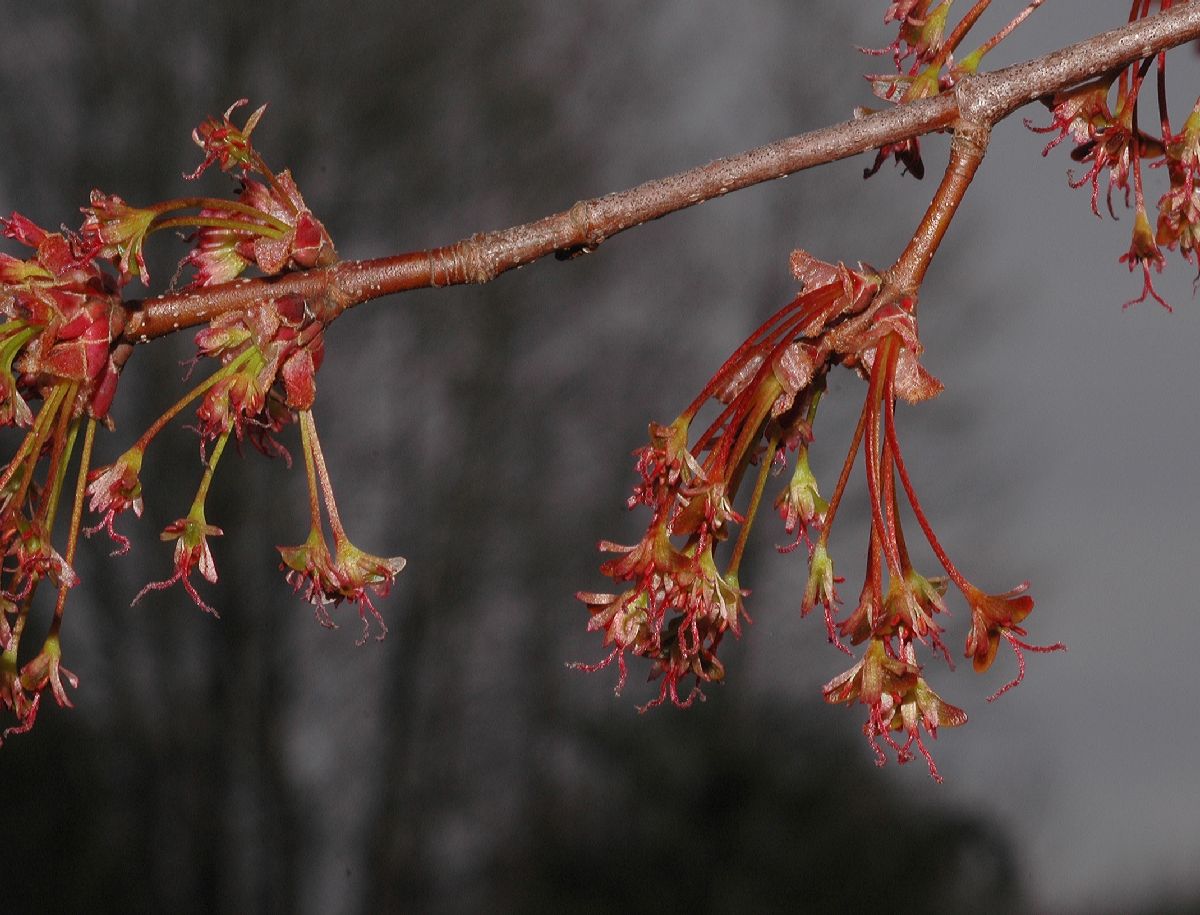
<point>75,308</point>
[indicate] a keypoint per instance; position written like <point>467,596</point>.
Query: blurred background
<point>262,763</point>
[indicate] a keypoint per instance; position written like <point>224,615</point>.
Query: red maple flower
<point>46,670</point>
<point>114,489</point>
<point>1144,252</point>
<point>115,230</point>
<point>997,616</point>
<point>225,143</point>
<point>191,552</point>
<point>346,575</point>
<point>897,699</point>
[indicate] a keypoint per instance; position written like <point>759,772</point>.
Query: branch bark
<point>983,99</point>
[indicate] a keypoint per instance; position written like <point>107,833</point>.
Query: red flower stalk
<point>27,518</point>
<point>674,604</point>
<point>890,349</point>
<point>233,398</point>
<point>992,616</point>
<point>31,485</point>
<point>868,615</point>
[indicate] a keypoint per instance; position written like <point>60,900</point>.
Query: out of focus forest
<point>262,763</point>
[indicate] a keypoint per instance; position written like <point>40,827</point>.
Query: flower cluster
<point>269,226</point>
<point>894,617</point>
<point>923,53</point>
<point>1107,139</point>
<point>345,574</point>
<point>62,350</point>
<point>676,603</point>
<point>676,599</point>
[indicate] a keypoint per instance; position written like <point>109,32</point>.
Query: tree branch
<point>983,99</point>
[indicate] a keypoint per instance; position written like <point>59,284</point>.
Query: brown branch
<point>966,155</point>
<point>983,99</point>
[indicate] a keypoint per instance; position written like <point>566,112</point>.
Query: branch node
<point>462,262</point>
<point>970,139</point>
<point>581,222</point>
<point>978,108</point>
<point>584,236</point>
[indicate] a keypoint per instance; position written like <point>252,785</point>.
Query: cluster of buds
<point>1107,139</point>
<point>676,600</point>
<point>62,344</point>
<point>923,53</point>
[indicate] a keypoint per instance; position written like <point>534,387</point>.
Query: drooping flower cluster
<point>269,355</point>
<point>895,617</point>
<point>61,343</point>
<point>1107,138</point>
<point>675,603</point>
